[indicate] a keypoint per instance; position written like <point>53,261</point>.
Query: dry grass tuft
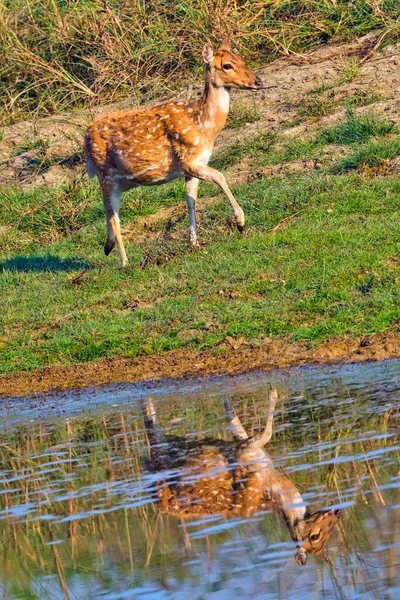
<point>57,55</point>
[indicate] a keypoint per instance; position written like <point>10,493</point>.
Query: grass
<point>37,144</point>
<point>243,112</point>
<point>330,269</point>
<point>266,148</point>
<point>372,154</point>
<point>59,56</point>
<point>331,272</point>
<point>360,98</point>
<point>315,107</point>
<point>255,148</point>
<point>357,128</point>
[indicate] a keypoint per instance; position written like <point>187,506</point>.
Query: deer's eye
<point>314,537</point>
<point>227,66</point>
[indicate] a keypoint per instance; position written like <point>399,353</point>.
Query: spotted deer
<point>173,139</point>
<point>234,479</point>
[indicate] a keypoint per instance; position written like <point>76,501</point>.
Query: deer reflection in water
<point>236,478</point>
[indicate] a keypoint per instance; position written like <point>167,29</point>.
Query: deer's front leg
<point>209,174</point>
<point>192,186</point>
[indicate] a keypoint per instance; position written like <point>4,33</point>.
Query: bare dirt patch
<point>231,359</point>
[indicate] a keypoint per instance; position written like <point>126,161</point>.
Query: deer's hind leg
<point>112,200</point>
<point>192,186</point>
<point>262,439</point>
<point>235,426</point>
<point>155,436</point>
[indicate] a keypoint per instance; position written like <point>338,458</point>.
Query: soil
<point>233,357</point>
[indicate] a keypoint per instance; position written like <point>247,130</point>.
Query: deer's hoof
<point>240,227</point>
<point>108,246</point>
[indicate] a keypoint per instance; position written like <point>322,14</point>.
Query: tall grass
<point>60,54</point>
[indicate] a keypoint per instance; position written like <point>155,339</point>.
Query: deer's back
<point>147,147</point>
<point>208,478</point>
<point>130,146</point>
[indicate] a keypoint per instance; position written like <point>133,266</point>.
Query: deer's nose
<point>259,83</point>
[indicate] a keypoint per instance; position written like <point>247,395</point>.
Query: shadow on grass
<point>48,263</point>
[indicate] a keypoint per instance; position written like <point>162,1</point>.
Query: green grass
<point>257,148</point>
<point>331,271</point>
<point>357,128</point>
<point>361,98</point>
<point>266,148</point>
<point>241,113</point>
<point>314,107</point>
<point>62,55</point>
<point>37,144</point>
<point>371,154</point>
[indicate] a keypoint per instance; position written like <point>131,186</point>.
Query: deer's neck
<point>293,510</point>
<point>213,107</point>
<point>279,488</point>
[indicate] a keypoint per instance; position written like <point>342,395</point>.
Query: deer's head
<point>314,531</point>
<point>229,70</point>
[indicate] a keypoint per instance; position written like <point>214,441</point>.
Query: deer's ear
<point>226,44</point>
<point>208,54</point>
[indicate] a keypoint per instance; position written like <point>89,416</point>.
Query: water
<point>79,516</point>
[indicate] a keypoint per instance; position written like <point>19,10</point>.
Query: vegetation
<point>60,55</point>
<point>319,256</point>
<point>373,154</point>
<point>357,128</point>
<point>329,268</point>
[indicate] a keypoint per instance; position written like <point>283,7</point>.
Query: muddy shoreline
<point>231,360</point>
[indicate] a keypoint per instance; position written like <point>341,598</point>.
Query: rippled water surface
<point>82,514</point>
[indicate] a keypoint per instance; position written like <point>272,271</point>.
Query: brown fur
<point>234,479</point>
<point>169,140</point>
